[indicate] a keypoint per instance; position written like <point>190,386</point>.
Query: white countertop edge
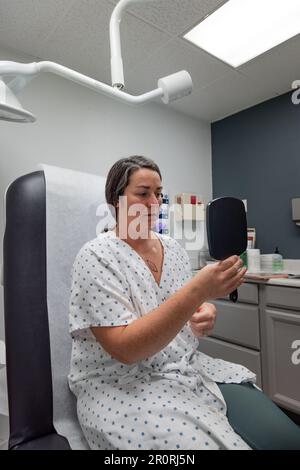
<point>284,282</point>
<point>277,282</point>
<point>274,281</point>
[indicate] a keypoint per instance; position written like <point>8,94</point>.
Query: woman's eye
<point>158,195</point>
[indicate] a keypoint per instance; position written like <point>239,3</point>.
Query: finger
<point>207,332</point>
<point>236,275</point>
<point>199,333</point>
<point>237,279</point>
<point>202,325</point>
<point>202,316</point>
<point>206,325</point>
<point>205,307</point>
<point>242,273</point>
<point>235,268</point>
<point>228,262</point>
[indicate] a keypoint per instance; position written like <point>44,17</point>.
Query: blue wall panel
<point>256,156</point>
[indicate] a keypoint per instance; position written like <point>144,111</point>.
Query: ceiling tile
<point>174,16</point>
<point>176,55</point>
<point>278,67</point>
<point>81,40</point>
<point>23,24</point>
<point>228,95</point>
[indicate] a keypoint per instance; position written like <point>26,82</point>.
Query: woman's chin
<point>148,223</point>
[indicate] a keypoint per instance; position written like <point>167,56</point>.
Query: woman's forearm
<point>151,333</point>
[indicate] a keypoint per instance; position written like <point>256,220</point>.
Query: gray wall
<point>256,156</point>
<point>85,131</point>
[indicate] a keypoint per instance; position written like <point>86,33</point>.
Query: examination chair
<point>36,281</point>
<point>29,379</point>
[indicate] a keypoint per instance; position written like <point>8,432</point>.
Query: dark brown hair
<point>119,174</point>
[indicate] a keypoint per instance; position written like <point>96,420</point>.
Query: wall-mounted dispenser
<point>296,210</point>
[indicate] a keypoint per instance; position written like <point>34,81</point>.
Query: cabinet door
<point>285,297</point>
<point>248,293</point>
<point>282,370</point>
<point>237,323</point>
<point>232,353</point>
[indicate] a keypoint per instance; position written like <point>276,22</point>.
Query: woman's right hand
<point>221,278</point>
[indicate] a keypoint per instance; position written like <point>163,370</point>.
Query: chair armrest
<point>49,442</point>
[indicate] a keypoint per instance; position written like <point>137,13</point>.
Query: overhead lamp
<point>14,76</point>
<point>10,107</point>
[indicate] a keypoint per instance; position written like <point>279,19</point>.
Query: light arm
<point>169,88</point>
<point>116,62</point>
<point>96,85</point>
<point>15,76</point>
<point>25,72</point>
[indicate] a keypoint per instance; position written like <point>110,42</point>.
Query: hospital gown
<point>167,401</point>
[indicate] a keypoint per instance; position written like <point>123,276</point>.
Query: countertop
<point>291,266</point>
<point>286,282</point>
<point>276,282</point>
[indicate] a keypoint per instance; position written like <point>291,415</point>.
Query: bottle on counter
<point>253,260</point>
<point>162,223</point>
<point>277,264</point>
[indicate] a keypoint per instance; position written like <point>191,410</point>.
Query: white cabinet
<point>262,332</point>
<point>236,336</point>
<point>238,323</point>
<point>281,345</point>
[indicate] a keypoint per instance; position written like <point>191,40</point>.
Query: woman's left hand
<point>203,320</point>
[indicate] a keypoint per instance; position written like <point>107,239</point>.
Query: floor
<point>3,432</point>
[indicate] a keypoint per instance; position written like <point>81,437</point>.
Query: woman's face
<point>139,209</point>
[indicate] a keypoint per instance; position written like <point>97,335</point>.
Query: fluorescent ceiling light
<point>243,29</point>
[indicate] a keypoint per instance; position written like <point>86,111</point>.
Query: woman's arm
<point>151,333</point>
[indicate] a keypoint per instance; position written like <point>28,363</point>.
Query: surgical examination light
<point>14,76</point>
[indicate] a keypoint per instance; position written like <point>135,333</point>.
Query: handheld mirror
<point>226,224</point>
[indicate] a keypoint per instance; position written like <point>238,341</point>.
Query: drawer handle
<point>234,296</point>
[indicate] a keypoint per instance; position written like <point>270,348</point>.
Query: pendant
<point>152,266</point>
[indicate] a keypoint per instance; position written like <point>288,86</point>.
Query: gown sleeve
<point>100,294</point>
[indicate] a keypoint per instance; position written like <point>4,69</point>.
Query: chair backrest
<point>50,214</point>
<point>27,340</point>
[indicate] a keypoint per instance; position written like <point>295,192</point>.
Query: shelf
<point>189,212</point>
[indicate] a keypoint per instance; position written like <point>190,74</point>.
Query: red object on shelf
<point>193,199</point>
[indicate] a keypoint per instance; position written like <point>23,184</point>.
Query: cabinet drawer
<point>248,293</point>
<point>237,323</point>
<point>287,297</point>
<point>283,358</point>
<point>232,353</point>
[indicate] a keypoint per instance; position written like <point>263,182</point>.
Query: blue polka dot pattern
<point>168,401</point>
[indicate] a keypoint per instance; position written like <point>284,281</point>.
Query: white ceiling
<point>75,33</point>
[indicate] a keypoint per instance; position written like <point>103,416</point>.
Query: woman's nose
<point>153,200</point>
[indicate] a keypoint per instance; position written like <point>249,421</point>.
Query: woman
<point>136,314</point>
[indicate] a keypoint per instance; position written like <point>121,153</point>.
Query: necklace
<point>152,265</point>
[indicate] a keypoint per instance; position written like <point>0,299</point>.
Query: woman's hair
<point>119,174</point>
